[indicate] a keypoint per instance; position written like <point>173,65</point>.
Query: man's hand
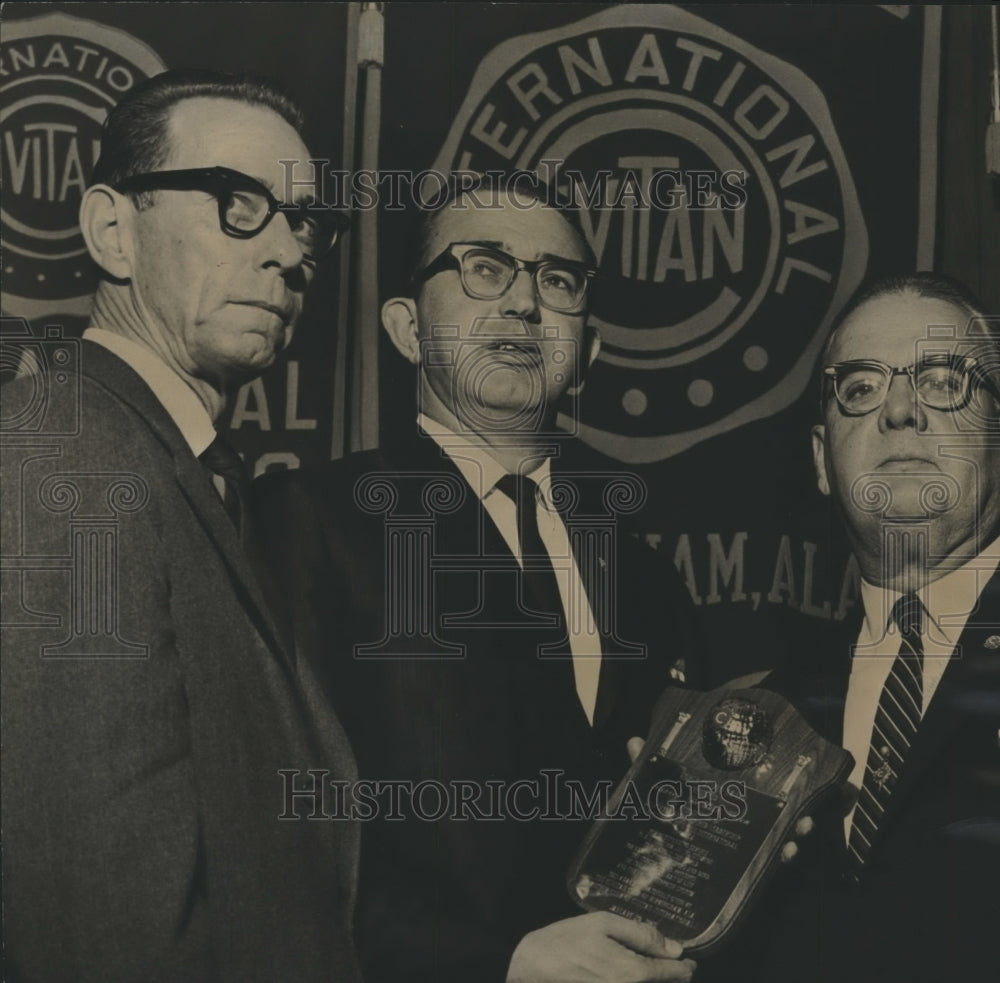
<point>598,948</point>
<point>803,826</point>
<point>635,746</point>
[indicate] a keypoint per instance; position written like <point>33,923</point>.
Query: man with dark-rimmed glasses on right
<point>899,882</point>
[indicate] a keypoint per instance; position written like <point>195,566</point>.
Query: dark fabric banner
<point>62,67</point>
<point>740,170</point>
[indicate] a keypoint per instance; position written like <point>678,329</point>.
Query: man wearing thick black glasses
<point>148,714</point>
<point>485,632</point>
<point>899,882</point>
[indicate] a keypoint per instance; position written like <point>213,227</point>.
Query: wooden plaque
<point>697,824</point>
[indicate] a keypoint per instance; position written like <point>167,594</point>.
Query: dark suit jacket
<point>927,908</point>
<point>148,706</point>
<point>470,701</point>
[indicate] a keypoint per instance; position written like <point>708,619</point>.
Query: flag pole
<point>365,361</point>
<point>342,396</point>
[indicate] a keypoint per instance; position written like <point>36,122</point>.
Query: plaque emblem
<point>737,734</point>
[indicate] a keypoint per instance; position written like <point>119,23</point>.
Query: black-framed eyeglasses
<point>942,382</point>
<point>487,273</point>
<point>246,206</point>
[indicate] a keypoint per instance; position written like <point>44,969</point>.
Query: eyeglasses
<point>942,382</point>
<point>246,206</point>
<point>487,273</point>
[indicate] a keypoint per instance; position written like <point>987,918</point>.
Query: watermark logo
<point>59,77</point>
<point>715,195</point>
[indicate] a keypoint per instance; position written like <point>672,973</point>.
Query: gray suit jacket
<point>149,708</point>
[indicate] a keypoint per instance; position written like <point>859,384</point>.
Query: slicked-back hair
<point>135,138</point>
<point>934,286</point>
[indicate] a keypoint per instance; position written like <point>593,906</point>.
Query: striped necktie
<point>896,720</point>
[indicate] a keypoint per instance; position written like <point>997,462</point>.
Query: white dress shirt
<point>482,471</point>
<point>948,602</point>
<point>176,396</point>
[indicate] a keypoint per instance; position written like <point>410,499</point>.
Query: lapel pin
<point>883,772</point>
<point>992,643</point>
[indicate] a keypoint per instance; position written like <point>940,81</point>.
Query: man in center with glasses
<point>480,648</point>
<point>899,882</point>
<point>150,700</point>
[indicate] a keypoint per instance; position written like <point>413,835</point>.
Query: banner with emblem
<point>62,68</point>
<point>740,170</point>
<point>59,76</point>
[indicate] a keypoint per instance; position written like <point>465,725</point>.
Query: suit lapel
<point>594,572</point>
<point>122,382</point>
<point>464,538</point>
<point>944,715</point>
<point>821,695</point>
<point>468,531</point>
<point>205,503</point>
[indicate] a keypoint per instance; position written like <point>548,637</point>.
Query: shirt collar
<point>480,469</point>
<point>948,601</point>
<point>178,399</point>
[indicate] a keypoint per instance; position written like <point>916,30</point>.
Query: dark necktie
<point>220,458</point>
<point>541,591</point>
<point>896,721</point>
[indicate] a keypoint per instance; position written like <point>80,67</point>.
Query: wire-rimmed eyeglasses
<point>941,382</point>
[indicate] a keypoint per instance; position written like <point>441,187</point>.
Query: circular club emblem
<point>713,190</point>
<point>736,734</point>
<point>59,77</point>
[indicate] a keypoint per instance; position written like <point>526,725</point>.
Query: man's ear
<point>105,221</point>
<point>399,318</point>
<point>819,458</point>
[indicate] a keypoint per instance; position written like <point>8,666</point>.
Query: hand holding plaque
<point>702,815</point>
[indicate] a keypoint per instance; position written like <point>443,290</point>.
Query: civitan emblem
<point>736,734</point>
<point>711,185</point>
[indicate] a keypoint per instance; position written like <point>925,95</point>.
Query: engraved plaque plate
<point>699,821</point>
